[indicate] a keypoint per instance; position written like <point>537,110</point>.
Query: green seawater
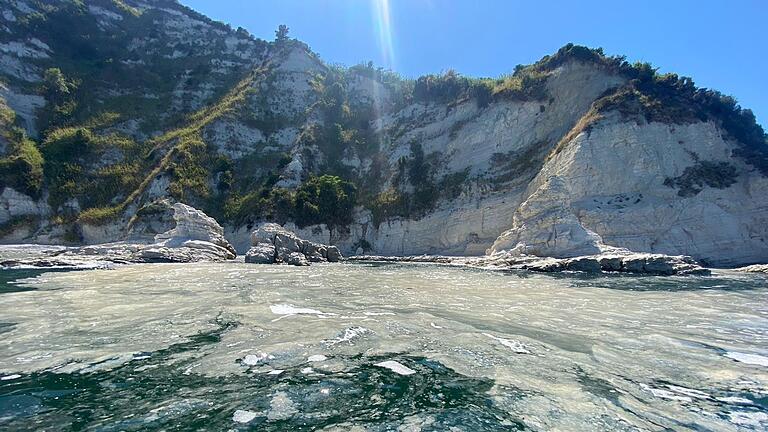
<point>274,348</point>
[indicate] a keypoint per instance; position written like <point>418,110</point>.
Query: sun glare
<point>383,25</point>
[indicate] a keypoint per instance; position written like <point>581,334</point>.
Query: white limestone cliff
<point>536,182</point>
<point>615,176</point>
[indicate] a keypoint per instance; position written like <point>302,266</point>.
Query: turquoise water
<point>243,347</point>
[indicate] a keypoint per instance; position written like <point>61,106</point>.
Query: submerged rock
<point>273,243</point>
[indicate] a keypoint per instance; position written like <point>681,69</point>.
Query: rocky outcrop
<point>621,262</point>
<point>195,229</point>
<point>14,204</point>
<point>150,220</point>
<point>196,237</point>
<point>544,225</point>
<point>272,243</point>
<point>261,253</point>
<point>631,184</point>
<point>755,268</point>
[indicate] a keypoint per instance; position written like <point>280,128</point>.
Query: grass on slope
<point>166,146</point>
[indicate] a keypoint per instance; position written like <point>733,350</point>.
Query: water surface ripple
<point>372,347</point>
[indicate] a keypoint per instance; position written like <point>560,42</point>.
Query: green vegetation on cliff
<point>22,165</point>
<point>77,166</point>
<point>133,102</point>
<point>326,199</point>
<point>415,190</point>
<point>665,98</point>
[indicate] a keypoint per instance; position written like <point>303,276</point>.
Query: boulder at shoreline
<point>195,237</point>
<point>273,244</point>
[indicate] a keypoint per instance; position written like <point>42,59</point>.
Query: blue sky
<point>721,44</point>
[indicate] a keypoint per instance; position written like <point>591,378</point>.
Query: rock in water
<point>297,259</point>
<point>193,224</point>
<point>272,243</point>
<point>544,225</point>
<point>195,237</point>
<point>315,252</point>
<point>756,268</point>
<point>585,264</point>
<point>334,255</point>
<point>618,260</point>
<point>261,253</point>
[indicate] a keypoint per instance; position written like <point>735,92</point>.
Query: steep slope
<point>651,187</point>
<point>576,153</point>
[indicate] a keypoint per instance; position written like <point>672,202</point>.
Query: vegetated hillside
<point>108,105</point>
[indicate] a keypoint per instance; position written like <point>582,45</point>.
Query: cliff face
<point>611,185</point>
<point>566,157</point>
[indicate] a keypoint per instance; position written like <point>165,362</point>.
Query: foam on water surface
<point>286,309</point>
<point>514,345</point>
<point>753,359</point>
<point>243,416</point>
<point>396,367</point>
<point>446,347</point>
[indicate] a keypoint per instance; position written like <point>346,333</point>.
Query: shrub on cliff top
<point>666,98</point>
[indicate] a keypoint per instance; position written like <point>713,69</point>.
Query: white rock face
<point>158,188</point>
<point>234,139</point>
<point>291,175</point>
<point>291,91</point>
<point>99,234</point>
<point>604,190</point>
<point>365,89</point>
<point>25,106</point>
<point>467,137</point>
<point>14,204</point>
<point>15,67</point>
<point>22,49</point>
<point>544,225</point>
<point>193,226</point>
<point>196,237</point>
<point>615,178</point>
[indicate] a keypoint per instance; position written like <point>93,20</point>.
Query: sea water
<point>380,347</point>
